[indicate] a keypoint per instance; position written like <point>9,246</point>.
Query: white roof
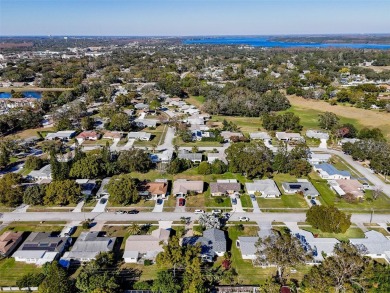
<point>375,242</point>
<point>267,186</point>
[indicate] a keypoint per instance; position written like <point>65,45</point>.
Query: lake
<point>265,43</point>
<point>29,94</point>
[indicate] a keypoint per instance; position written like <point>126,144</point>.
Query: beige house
<point>183,186</point>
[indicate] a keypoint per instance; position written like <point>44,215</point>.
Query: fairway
<point>308,111</point>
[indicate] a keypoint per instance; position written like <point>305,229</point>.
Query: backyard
<point>11,271</point>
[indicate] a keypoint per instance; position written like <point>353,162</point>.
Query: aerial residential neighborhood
<point>135,162</point>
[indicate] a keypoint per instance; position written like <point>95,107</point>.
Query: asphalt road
<point>169,216</point>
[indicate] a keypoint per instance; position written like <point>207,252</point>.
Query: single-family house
<point>103,188</point>
<point>213,243</point>
<point>228,135</point>
<point>145,246</point>
<point>318,158</point>
<point>88,245</point>
<point>182,187</point>
<point>318,134</point>
<point>302,186</point>
<point>87,186</point>
<point>211,157</point>
<point>343,187</point>
<point>247,246</point>
<point>195,120</point>
<point>9,241</point>
<point>163,157</point>
<point>61,135</point>
<point>374,245</point>
<point>40,248</point>
<point>87,135</point>
<point>141,135</point>
<point>345,140</point>
<point>114,135</point>
<point>42,174</point>
<point>287,136</point>
<point>224,187</point>
<point>153,190</point>
<point>263,188</point>
<point>146,122</point>
<point>193,157</point>
<point>141,106</point>
<point>259,136</point>
<point>329,172</point>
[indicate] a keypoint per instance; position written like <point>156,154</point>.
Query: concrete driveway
<point>100,207</point>
<point>179,209</point>
<point>115,148</point>
<point>256,208</point>
<point>237,208</point>
<point>169,136</point>
<point>158,208</point>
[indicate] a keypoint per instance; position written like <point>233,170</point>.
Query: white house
<point>286,136</point>
<point>266,187</point>
<point>139,135</point>
<point>329,172</point>
<point>317,158</point>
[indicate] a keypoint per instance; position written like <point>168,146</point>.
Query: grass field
<point>178,141</point>
<point>309,109</point>
<point>11,271</point>
<point>352,232</point>
<point>285,201</point>
<point>197,101</point>
<point>34,227</point>
<point>245,124</point>
<point>246,201</point>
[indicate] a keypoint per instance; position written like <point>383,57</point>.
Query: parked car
<point>234,201</point>
<point>227,216</point>
<point>159,201</point>
<point>244,219</point>
<point>313,202</point>
<point>120,212</point>
<point>133,212</point>
<point>216,212</point>
<point>199,212</point>
<point>253,197</point>
<point>103,200</point>
<point>182,202</point>
<point>388,229</point>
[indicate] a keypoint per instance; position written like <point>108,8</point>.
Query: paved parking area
<point>179,209</point>
<point>318,203</point>
<point>237,207</point>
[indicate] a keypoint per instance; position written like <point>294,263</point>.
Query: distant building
<point>61,135</point>
<point>42,174</point>
<point>145,136</point>
<point>328,171</point>
<point>259,136</point>
<point>343,187</point>
<point>87,135</point>
<point>193,157</point>
<point>286,136</point>
<point>317,134</point>
<point>316,158</point>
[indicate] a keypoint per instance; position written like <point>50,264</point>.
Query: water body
<point>36,95</point>
<point>265,43</point>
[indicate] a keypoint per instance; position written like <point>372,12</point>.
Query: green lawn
<point>285,201</point>
<point>352,232</point>
<point>309,117</point>
<point>246,201</point>
<point>147,272</point>
<point>328,197</point>
<point>197,101</point>
<point>245,124</point>
<point>11,271</point>
<point>34,227</point>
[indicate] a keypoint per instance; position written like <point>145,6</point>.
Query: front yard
<point>285,201</point>
<point>352,232</point>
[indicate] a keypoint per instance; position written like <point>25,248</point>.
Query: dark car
<point>253,197</point>
<point>159,201</point>
<point>182,202</point>
<point>313,202</point>
<point>103,200</point>
<point>234,201</point>
<point>133,212</point>
<point>388,229</point>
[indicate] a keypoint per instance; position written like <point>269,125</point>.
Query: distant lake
<point>36,95</point>
<point>263,42</point>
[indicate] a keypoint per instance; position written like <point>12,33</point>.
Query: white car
<point>244,219</point>
<point>199,211</point>
<point>216,212</point>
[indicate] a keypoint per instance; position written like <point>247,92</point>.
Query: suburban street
<point>173,216</point>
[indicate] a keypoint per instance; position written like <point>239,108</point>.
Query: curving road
<point>364,171</point>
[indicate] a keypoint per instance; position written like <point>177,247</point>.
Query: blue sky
<point>189,17</point>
